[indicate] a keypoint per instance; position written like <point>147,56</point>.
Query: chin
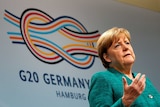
<point>130,62</point>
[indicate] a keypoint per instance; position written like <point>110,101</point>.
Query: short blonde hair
<point>106,39</point>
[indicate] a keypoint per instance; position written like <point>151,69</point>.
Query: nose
<point>125,47</point>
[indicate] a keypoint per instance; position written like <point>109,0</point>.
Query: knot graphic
<point>34,27</point>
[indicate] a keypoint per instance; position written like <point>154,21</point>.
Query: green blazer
<point>106,90</point>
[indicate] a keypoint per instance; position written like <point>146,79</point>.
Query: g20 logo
<point>34,25</point>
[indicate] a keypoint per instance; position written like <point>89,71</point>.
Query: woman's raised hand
<point>132,91</point>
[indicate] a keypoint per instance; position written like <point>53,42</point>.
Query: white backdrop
<point>26,80</point>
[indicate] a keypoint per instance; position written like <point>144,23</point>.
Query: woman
<point>118,86</point>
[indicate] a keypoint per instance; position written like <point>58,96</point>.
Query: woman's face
<point>121,53</point>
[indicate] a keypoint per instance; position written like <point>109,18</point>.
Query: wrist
<point>126,102</point>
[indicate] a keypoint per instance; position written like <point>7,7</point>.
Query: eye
<point>117,45</point>
<point>127,42</point>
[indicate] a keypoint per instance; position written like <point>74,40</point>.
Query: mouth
<point>126,55</point>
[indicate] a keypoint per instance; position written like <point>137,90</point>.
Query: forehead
<point>120,36</point>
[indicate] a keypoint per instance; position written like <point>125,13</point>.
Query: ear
<point>106,57</point>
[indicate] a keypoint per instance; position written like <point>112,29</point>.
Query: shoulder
<point>103,75</point>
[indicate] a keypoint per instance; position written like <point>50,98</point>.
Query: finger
<point>142,87</point>
<point>142,80</point>
<point>138,76</point>
<point>136,79</point>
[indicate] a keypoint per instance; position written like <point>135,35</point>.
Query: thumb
<point>124,82</point>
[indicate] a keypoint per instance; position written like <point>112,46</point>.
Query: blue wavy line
<point>11,22</point>
<point>86,67</point>
<point>14,33</point>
